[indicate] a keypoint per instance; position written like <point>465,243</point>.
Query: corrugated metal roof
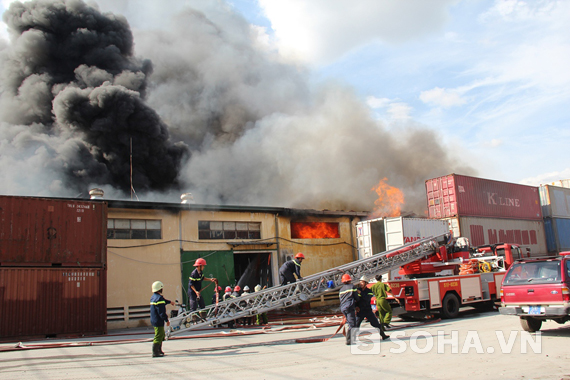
<point>117,204</point>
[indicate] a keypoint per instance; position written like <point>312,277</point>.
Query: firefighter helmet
<point>299,256</point>
<point>219,288</point>
<point>237,288</point>
<point>246,288</point>
<point>257,288</point>
<point>157,285</point>
<point>228,289</point>
<point>364,278</point>
<point>346,278</point>
<point>200,261</point>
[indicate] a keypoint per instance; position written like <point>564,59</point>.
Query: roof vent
<point>187,198</point>
<point>96,193</point>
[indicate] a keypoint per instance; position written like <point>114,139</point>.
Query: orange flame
<point>389,202</point>
<point>314,230</point>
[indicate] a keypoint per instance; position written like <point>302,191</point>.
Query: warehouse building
<point>245,245</point>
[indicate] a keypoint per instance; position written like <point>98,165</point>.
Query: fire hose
<point>342,324</point>
<point>265,330</point>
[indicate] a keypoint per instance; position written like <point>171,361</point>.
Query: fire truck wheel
<point>450,306</point>
<point>531,324</point>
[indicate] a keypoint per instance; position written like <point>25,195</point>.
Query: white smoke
<point>259,131</point>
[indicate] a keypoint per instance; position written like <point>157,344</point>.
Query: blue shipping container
<point>557,232</point>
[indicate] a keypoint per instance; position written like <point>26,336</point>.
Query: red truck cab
<point>536,290</point>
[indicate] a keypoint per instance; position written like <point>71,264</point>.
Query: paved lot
<point>498,339</point>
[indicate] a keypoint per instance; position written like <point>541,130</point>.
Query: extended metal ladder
<point>310,287</point>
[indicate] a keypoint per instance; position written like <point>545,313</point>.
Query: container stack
<point>53,279</point>
<point>489,212</point>
<point>555,201</point>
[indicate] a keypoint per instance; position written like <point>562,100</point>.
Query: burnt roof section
<point>173,207</point>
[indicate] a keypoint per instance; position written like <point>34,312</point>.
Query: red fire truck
<point>458,275</point>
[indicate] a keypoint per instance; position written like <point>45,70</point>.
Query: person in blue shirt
<point>158,317</point>
<point>195,285</point>
<point>290,269</point>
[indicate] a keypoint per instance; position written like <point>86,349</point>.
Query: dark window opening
<point>228,230</point>
<point>134,229</point>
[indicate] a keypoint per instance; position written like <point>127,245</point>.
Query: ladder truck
<point>310,287</point>
<point>476,277</point>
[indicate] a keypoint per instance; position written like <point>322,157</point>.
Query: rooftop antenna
<point>133,192</point>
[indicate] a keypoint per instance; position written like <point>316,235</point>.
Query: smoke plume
<point>70,77</point>
<point>218,113</point>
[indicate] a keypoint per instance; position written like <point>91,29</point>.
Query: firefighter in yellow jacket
<point>381,291</point>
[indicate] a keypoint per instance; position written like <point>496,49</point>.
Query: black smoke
<point>71,70</point>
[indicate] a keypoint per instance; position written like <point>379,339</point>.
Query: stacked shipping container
<point>488,212</point>
<point>52,267</point>
<point>555,202</point>
<point>383,234</point>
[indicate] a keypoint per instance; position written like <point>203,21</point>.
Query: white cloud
<point>375,103</point>
<point>400,111</point>
<point>493,143</point>
<point>547,178</point>
<point>442,97</point>
<point>320,31</point>
<point>390,110</point>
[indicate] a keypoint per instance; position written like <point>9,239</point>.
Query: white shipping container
<point>383,234</point>
<point>555,201</point>
<point>400,231</point>
<point>480,231</point>
<point>561,183</point>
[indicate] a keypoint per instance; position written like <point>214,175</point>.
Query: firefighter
<point>228,293</point>
<point>291,268</point>
<point>348,295</point>
<point>261,319</point>
<point>216,295</point>
<point>381,291</point>
<point>365,310</point>
<point>236,292</point>
<point>195,285</point>
<point>158,317</point>
<point>246,320</point>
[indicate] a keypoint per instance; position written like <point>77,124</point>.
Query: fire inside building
<point>99,256</point>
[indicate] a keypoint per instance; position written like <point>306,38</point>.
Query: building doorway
<point>253,269</point>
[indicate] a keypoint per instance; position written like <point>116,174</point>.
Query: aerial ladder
<point>308,288</point>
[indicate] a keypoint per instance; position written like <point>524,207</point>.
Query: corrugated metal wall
<point>457,195</point>
<point>44,232</point>
<point>555,201</point>
<point>557,234</point>
<point>52,301</point>
<point>480,231</point>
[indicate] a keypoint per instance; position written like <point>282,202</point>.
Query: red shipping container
<point>47,302</point>
<point>45,231</point>
<point>458,195</point>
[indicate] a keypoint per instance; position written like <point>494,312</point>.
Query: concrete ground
<point>473,346</point>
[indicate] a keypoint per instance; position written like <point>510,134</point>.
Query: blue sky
<point>490,77</point>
